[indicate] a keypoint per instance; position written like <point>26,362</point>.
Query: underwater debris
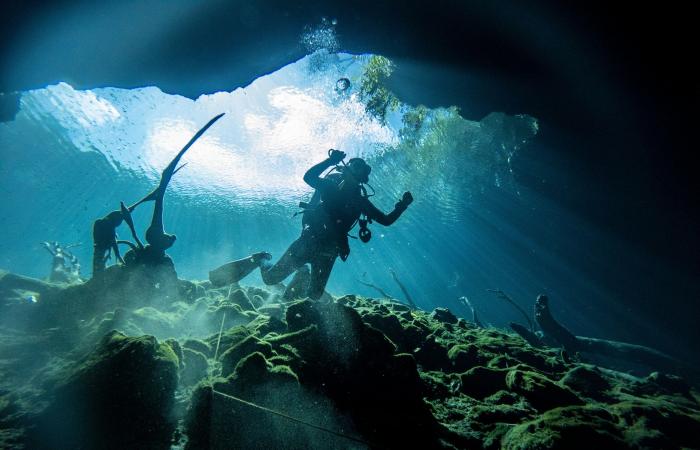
<point>475,319</point>
<point>406,295</point>
<point>502,295</point>
<point>555,334</point>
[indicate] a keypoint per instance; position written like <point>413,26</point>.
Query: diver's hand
<point>335,156</point>
<point>406,200</point>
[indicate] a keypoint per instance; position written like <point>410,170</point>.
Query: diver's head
<point>358,169</point>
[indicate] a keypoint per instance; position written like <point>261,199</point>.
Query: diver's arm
<point>387,219</point>
<point>312,177</point>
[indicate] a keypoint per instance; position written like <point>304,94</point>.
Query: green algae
<point>393,376</point>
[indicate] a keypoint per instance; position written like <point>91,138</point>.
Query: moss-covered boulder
<point>431,354</point>
<point>588,381</point>
<point>240,298</point>
<point>301,314</point>
<point>355,365</point>
<point>464,356</point>
<point>541,392</point>
<point>443,315</point>
<point>657,423</point>
<point>480,382</point>
<point>235,412</point>
<point>390,325</point>
<point>195,367</point>
<point>198,346</point>
<point>233,355</point>
<point>575,427</point>
<point>118,396</point>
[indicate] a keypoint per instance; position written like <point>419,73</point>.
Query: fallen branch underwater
<point>555,334</point>
<point>502,295</point>
<point>403,289</point>
<point>475,319</point>
<point>376,288</point>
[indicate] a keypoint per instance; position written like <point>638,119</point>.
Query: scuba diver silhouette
<point>104,237</point>
<point>338,203</point>
<point>104,230</point>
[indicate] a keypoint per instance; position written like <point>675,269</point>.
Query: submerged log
<point>10,281</point>
<point>623,351</point>
<point>551,328</point>
<point>530,337</point>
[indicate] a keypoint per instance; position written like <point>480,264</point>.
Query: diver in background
<point>59,270</point>
<point>104,229</point>
<point>104,237</point>
<point>158,240</point>
<point>338,203</point>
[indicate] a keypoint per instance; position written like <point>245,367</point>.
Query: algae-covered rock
<point>657,423</point>
<point>539,390</point>
<point>587,381</point>
<point>443,315</point>
<point>118,396</point>
<point>233,355</point>
<point>198,346</point>
<point>217,418</point>
<point>301,314</point>
<point>432,355</point>
<point>240,298</point>
<point>464,356</point>
<point>389,325</point>
<point>195,367</point>
<point>229,338</point>
<point>574,427</point>
<point>480,382</point>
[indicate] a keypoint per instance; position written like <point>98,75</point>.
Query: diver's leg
<point>293,258</point>
<point>155,232</point>
<point>98,260</point>
<point>299,286</point>
<point>321,268</point>
<point>126,214</point>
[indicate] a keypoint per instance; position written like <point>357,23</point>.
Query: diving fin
<point>170,170</point>
<point>233,271</point>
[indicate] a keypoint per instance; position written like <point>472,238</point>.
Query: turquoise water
<point>71,155</point>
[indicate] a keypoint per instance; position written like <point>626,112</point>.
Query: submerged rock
<point>539,390</point>
<point>443,315</point>
<point>195,367</point>
<point>481,382</point>
<point>382,374</point>
<point>118,396</point>
<point>247,346</point>
<point>575,427</point>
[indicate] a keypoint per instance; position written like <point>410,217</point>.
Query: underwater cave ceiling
<point>605,88</point>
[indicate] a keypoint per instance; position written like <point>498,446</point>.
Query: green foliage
<point>377,97</point>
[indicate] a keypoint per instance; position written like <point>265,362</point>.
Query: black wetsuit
<point>324,236</point>
<point>105,240</point>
